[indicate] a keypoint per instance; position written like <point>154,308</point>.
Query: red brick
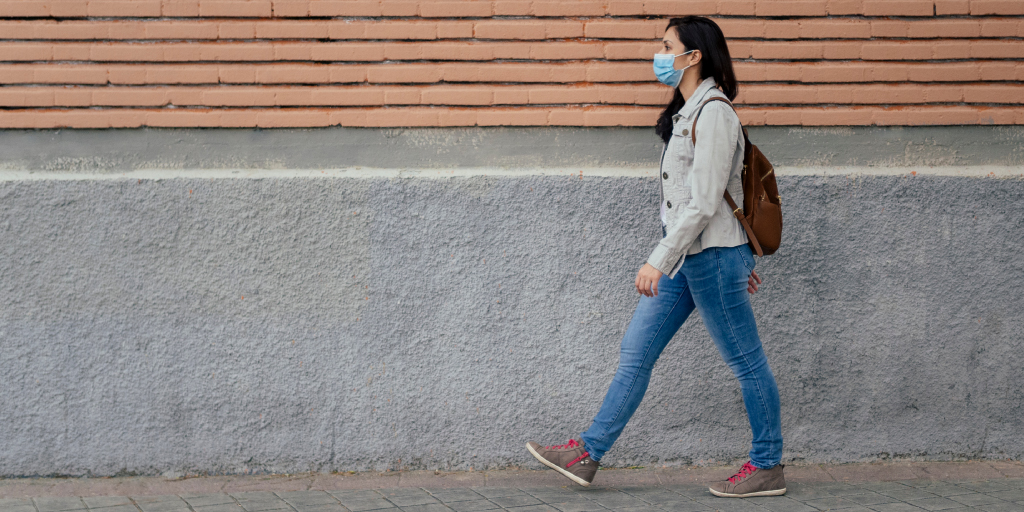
<point>399,8</point>
<point>889,28</point>
<point>348,74</point>
<point>844,7</point>
<point>290,8</point>
<point>947,7</point>
<point>289,96</point>
<point>124,8</point>
<point>620,8</point>
<point>454,29</point>
<point>618,116</point>
<point>631,51</point>
<point>569,51</point>
<point>512,7</point>
<point>675,8</point>
<point>457,96</point>
<point>25,51</point>
<point>736,7</point>
<point>834,28</point>
<point>794,50</point>
<point>403,95</point>
<point>994,93</point>
<point>464,8</point>
<point>344,8</point>
<point>26,97</point>
<point>237,52</point>
<point>742,27</point>
<point>893,50</point>
<point>996,49</point>
<point>563,8</point>
<point>396,29</point>
<point>236,30</point>
<point>182,74</point>
<point>618,72</point>
<point>237,97</point>
<point>68,8</point>
<point>347,52</point>
<point>790,8</point>
<point>525,29</point>
<point>179,8</point>
<point>236,8</point>
<point>1000,71</point>
<point>899,8</point>
<point>293,74</point>
<point>344,96</point>
<point>312,29</point>
<point>405,73</point>
<point>23,9</point>
<point>996,27</point>
<point>626,29</point>
<point>129,97</point>
<point>402,117</point>
<point>126,74</point>
<point>997,7</point>
<point>511,95</point>
<point>944,72</point>
<point>179,30</point>
<point>782,29</point>
<point>499,116</point>
<point>58,74</point>
<point>946,28</point>
<point>293,118</point>
<point>563,29</point>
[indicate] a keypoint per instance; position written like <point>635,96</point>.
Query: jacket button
<point>664,175</point>
<point>668,203</point>
<point>685,131</point>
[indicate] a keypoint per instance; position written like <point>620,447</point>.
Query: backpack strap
<point>736,211</point>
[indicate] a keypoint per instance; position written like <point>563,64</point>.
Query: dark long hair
<point>700,33</point>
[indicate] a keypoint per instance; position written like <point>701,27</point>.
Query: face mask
<point>665,69</point>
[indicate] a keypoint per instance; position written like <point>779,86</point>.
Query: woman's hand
<point>752,281</point>
<point>647,280</point>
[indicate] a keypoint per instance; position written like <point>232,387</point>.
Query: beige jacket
<point>694,179</point>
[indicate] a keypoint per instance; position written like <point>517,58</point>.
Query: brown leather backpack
<point>761,215</point>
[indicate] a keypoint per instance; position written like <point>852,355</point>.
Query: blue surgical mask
<point>665,68</point>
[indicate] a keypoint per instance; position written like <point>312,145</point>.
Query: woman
<point>703,262</point>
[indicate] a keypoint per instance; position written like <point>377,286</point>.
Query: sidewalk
<point>989,486</point>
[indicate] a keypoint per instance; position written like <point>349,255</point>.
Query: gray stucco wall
<point>284,325</point>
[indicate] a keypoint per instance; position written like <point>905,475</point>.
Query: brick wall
<point>299,63</point>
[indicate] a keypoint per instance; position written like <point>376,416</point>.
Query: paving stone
<point>119,508</point>
<point>223,507</point>
<point>429,507</point>
<point>362,505</point>
<point>837,488</point>
<point>496,492</point>
<point>307,498</point>
<point>1011,495</point>
<point>166,503</point>
<point>975,500</point>
<point>896,507</point>
<point>472,505</point>
<point>730,505</point>
<point>578,506</point>
<point>454,495</point>
<point>107,501</point>
<point>936,504</point>
<point>362,494</point>
<point>519,500</point>
<point>804,492</point>
<point>781,504</point>
<point>945,489</point>
<point>49,504</point>
<point>985,485</point>
<point>689,490</point>
<point>618,500</point>
<point>408,497</point>
<point>909,494</point>
<point>1002,507</point>
<point>833,503</point>
<point>882,487</point>
<point>534,508</point>
<point>870,498</point>
<point>17,505</point>
<point>206,500</point>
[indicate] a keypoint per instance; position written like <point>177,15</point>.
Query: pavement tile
<point>896,507</point>
<point>119,508</point>
<point>856,473</point>
<point>730,505</point>
<point>945,489</point>
<point>882,486</point>
<point>307,497</point>
<point>683,506</point>
<point>781,504</point>
<point>17,508</point>
<point>45,504</point>
<point>107,501</point>
<point>908,494</point>
<point>16,502</point>
<point>689,490</point>
<point>321,507</point>
<point>971,470</point>
<point>354,481</point>
<point>429,507</point>
<point>364,494</point>
<point>438,479</point>
<point>408,497</point>
<point>985,485</point>
<point>518,500</point>
<point>838,488</point>
<point>935,503</point>
<point>472,506</point>
<point>370,504</point>
<point>1001,507</point>
<point>578,506</point>
<point>804,492</point>
<point>224,507</point>
<point>870,498</point>
<point>833,503</point>
<point>807,474</point>
<point>453,495</point>
<point>206,500</point>
<point>975,499</point>
<point>1011,495</point>
<point>497,492</point>
<point>534,508</point>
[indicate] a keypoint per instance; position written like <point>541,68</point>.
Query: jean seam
<point>632,383</point>
<point>732,329</point>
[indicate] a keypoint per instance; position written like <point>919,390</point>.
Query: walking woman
<point>703,262</point>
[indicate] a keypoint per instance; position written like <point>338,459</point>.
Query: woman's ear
<point>695,57</point>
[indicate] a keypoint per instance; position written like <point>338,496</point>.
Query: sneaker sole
<point>564,473</point>
<point>776,492</point>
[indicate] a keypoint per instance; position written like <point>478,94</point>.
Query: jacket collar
<point>697,97</point>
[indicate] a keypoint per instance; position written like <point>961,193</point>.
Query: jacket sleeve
<point>717,131</point>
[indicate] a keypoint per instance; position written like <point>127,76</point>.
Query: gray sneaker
<point>752,481</point>
<point>571,460</point>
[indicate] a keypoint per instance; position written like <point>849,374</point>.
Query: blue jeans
<point>714,282</point>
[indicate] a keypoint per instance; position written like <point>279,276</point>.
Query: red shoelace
<point>571,444</point>
<point>744,472</point>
